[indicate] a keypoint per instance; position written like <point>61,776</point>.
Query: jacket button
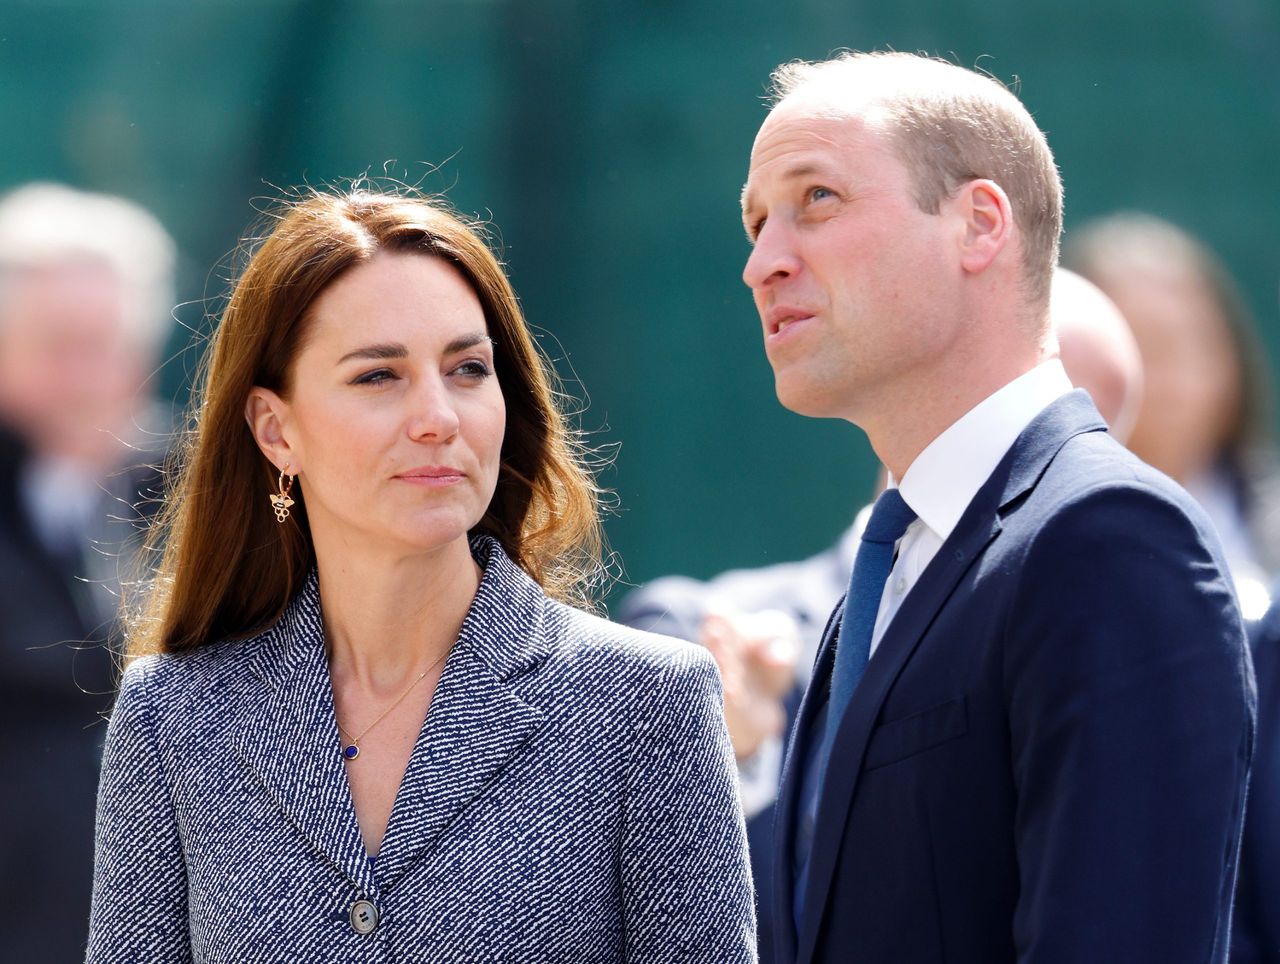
<point>364,917</point>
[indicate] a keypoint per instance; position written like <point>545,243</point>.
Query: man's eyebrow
<point>801,170</point>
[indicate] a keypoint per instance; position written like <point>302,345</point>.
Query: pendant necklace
<point>352,749</point>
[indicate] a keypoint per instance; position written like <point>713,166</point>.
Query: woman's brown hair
<point>226,567</point>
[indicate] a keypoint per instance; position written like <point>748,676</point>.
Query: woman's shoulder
<point>591,642</point>
<point>629,685</point>
<point>204,678</point>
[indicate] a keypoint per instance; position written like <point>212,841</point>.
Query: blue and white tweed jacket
<point>571,798</point>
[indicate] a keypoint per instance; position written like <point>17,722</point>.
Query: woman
<point>360,721</point>
<point>1205,417</point>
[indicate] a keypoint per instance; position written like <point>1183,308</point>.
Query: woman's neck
<point>388,618</point>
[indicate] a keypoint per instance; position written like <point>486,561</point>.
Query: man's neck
<point>924,411</point>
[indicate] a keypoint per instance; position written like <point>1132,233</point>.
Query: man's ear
<point>987,217</point>
<point>267,414</point>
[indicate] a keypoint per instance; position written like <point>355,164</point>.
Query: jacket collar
<point>289,737</point>
<point>944,478</point>
<point>502,628</point>
<point>1016,475</point>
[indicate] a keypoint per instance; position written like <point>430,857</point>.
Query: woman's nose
<point>432,415</point>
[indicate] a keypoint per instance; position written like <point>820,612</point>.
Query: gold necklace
<point>352,749</point>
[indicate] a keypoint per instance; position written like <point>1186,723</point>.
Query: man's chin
<point>804,398</point>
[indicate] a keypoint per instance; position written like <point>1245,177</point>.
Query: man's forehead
<point>802,138</point>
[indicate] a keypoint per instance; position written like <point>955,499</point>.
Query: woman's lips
<point>432,476</point>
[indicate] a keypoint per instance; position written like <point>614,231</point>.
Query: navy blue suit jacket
<point>1256,932</point>
<point>1047,755</point>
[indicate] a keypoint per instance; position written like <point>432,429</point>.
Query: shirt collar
<point>945,477</point>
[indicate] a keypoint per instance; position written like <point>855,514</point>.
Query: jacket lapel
<point>477,723</point>
<point>1017,473</point>
<point>899,642</point>
<point>290,739</point>
<point>784,814</point>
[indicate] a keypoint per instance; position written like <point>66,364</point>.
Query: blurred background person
<point>763,626</point>
<point>1098,349</point>
<point>85,297</point>
<point>1205,419</point>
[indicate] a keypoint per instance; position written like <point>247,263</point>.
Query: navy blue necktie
<point>889,520</point>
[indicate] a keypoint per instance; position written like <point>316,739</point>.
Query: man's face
<point>850,277</point>
<point>69,376</point>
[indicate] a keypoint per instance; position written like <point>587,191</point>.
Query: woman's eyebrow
<point>382,352</point>
<point>393,350</point>
<point>466,341</point>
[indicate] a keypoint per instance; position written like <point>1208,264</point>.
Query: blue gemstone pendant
<point>351,752</point>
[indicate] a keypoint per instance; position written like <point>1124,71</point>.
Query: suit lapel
<point>900,640</point>
<point>477,723</point>
<point>290,739</point>
<point>784,814</point>
<point>1017,473</point>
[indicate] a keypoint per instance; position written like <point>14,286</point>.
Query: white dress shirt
<point>944,478</point>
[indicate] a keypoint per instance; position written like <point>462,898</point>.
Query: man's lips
<point>781,318</point>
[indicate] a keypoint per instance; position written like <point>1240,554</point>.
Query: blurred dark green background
<point>608,143</point>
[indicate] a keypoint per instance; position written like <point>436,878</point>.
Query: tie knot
<point>889,519</point>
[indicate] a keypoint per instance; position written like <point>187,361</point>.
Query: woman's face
<point>1191,398</point>
<point>394,420</point>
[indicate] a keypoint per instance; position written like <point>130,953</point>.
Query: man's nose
<point>432,414</point>
<point>772,257</point>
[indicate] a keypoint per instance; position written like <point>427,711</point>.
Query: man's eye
<point>820,193</point>
<point>375,377</point>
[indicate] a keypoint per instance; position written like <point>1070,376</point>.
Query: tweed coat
<point>571,797</point>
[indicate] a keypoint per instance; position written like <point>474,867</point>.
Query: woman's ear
<point>267,414</point>
<point>988,223</point>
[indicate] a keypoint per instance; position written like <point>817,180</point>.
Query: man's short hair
<point>45,225</point>
<point>950,126</point>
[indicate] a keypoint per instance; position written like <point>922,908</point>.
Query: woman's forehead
<point>397,296</point>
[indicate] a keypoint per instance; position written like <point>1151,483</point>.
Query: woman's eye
<point>473,369</point>
<point>820,193</point>
<point>375,377</point>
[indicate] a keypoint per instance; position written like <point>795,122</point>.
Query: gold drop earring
<point>280,501</point>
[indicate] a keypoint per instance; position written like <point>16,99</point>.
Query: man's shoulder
<point>1092,471</point>
<point>1098,507</point>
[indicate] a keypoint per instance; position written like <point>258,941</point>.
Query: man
<point>85,296</point>
<point>1028,730</point>
<point>764,625</point>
